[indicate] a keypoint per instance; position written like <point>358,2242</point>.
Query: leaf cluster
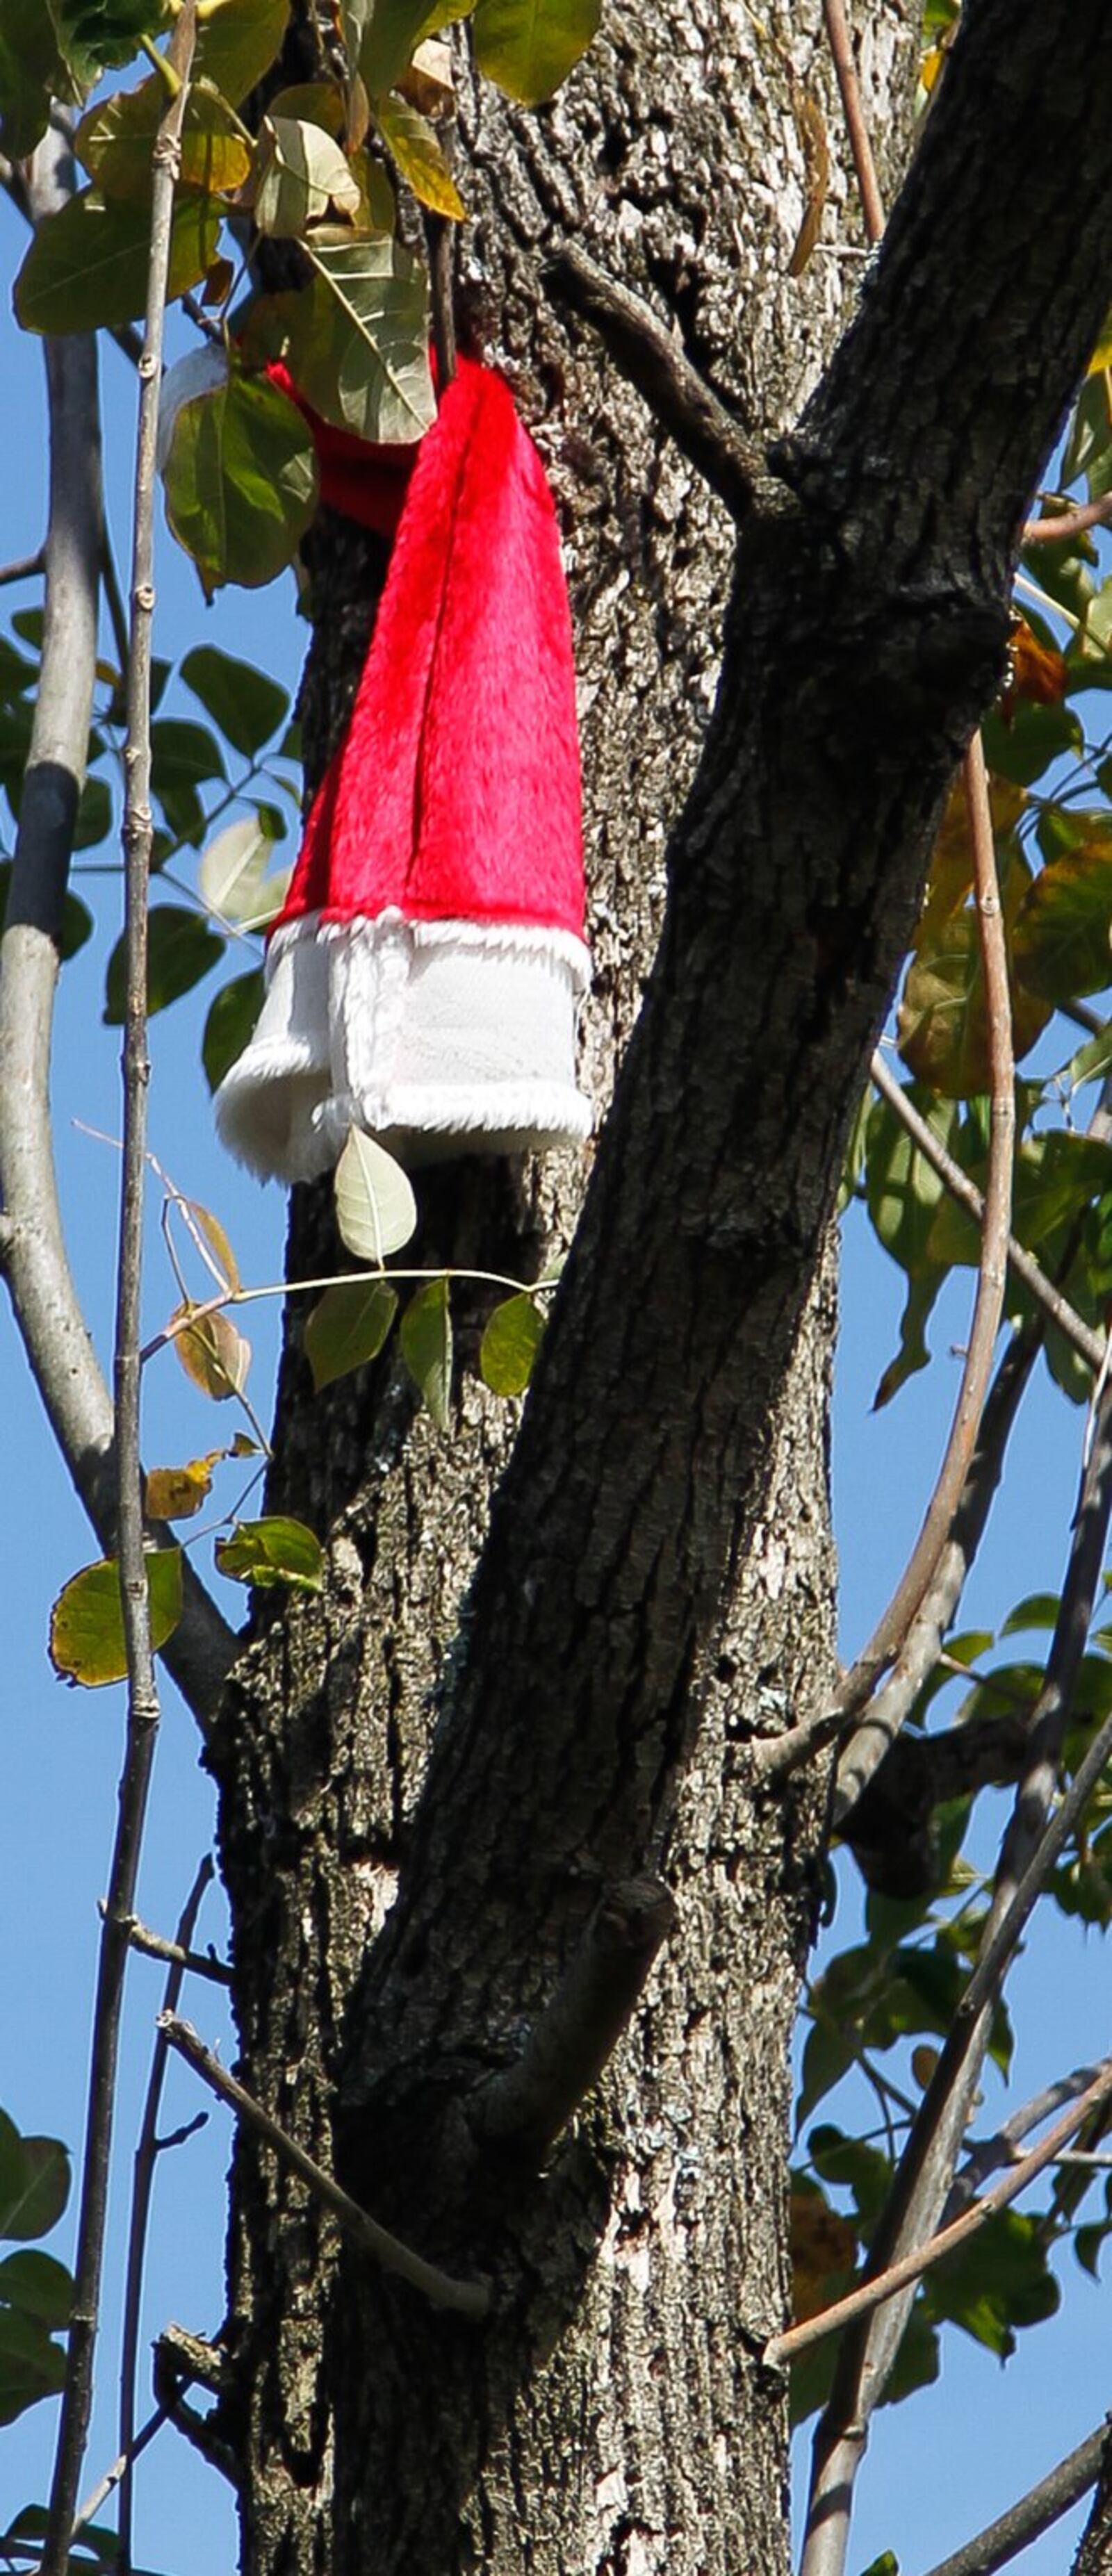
<point>322,172</point>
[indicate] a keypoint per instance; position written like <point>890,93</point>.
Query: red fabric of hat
<point>424,972</point>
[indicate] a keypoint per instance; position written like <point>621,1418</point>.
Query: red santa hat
<point>424,974</point>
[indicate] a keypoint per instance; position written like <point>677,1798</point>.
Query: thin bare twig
<point>1031,1847</point>
<point>1057,1309</point>
<point>464,2298</point>
<point>154,1945</point>
<point>646,353</point>
<point>891,1631</point>
<point>147,2149</point>
<point>989,2154</point>
<point>1034,2513</point>
<point>864,166</point>
<point>142,1713</point>
<point>100,2493</point>
<point>911,2266</point>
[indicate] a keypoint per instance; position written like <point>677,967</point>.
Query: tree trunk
<point>613,2415</point>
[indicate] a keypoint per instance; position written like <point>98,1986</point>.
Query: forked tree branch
<point>142,1695</point>
<point>1031,1846</point>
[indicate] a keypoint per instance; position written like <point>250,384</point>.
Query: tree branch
<point>651,358</point>
<point>1058,1311</point>
<point>523,2109</point>
<point>1034,2513</point>
<point>845,69</point>
<point>154,1945</point>
<point>1031,1846</point>
<point>142,1709</point>
<point>464,2298</point>
<point>35,1260</point>
<point>910,2267</point>
<point>1071,523</point>
<point>146,2156</point>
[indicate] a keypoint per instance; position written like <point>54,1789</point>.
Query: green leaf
<point>1056,1176</point>
<point>95,2546</point>
<point>357,339</point>
<point>510,1344</point>
<point>1089,444</point>
<point>828,2055</point>
<point>31,2365</point>
<point>39,2285</point>
<point>998,2280</point>
<point>912,1354</point>
<point>241,482</point>
<point>301,178</point>
<point>416,151</point>
<point>902,1190</point>
<point>102,35</point>
<point>1037,1610</point>
<point>1060,945</point>
<point>387,35</point>
<point>247,706</point>
<point>180,950</point>
<point>272,1551</point>
<point>87,1629</point>
<point>34,2182</point>
<point>942,1021</point>
<point>230,1024</point>
<point>347,1327</point>
<point>235,880</point>
<point>426,1346</point>
<point>32,72</point>
<point>237,42</point>
<point>1090,1063</point>
<point>1031,740</point>
<point>530,46</point>
<point>87,265</point>
<point>375,1208</point>
<point>116,139</point>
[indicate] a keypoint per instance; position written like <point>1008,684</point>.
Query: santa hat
<point>423,976</point>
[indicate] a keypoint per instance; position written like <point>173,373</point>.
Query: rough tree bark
<point>657,1582</point>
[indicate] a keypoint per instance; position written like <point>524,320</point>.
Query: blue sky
<point>62,1747</point>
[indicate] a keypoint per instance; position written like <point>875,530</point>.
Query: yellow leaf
<point>212,1353</point>
<point>212,1233</point>
<point>410,140</point>
<point>175,1493</point>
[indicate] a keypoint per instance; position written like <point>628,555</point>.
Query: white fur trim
<point>437,1037</point>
